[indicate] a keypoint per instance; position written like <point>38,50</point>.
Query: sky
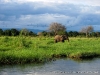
<point>39,14</point>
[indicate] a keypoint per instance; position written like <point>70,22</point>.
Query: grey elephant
<point>61,38</point>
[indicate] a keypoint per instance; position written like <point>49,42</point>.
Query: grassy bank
<point>19,50</point>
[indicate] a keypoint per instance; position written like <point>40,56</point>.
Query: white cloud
<point>29,13</point>
<point>86,2</point>
<point>79,2</point>
<point>97,12</point>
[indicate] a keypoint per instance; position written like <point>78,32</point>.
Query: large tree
<point>87,30</point>
<point>57,28</point>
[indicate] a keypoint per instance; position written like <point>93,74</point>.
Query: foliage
<point>7,32</point>
<point>32,33</point>
<point>57,28</point>
<point>19,50</point>
<point>10,32</point>
<point>39,33</point>
<point>87,30</point>
<point>24,32</point>
<point>14,32</point>
<point>1,32</point>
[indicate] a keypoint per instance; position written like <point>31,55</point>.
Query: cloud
<point>29,13</point>
<point>81,2</point>
<point>34,9</point>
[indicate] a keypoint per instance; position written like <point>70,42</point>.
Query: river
<point>57,67</point>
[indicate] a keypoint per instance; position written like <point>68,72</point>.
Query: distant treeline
<point>26,32</point>
<point>71,34</point>
<point>16,32</point>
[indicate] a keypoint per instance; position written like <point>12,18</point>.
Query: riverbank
<point>20,50</point>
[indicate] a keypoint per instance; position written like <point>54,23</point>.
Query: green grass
<point>19,50</point>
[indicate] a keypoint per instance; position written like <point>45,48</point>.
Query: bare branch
<point>87,30</point>
<point>56,27</point>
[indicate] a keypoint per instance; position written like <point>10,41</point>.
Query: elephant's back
<point>57,36</point>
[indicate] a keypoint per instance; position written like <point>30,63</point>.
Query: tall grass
<point>19,50</point>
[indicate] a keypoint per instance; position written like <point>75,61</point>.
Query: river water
<point>57,67</point>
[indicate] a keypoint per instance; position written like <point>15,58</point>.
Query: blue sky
<point>39,14</point>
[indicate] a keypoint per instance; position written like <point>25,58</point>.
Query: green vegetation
<point>26,32</point>
<point>19,50</point>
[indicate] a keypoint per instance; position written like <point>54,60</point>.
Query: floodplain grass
<point>21,49</point>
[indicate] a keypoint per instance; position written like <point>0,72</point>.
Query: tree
<point>87,30</point>
<point>32,33</point>
<point>70,33</point>
<point>44,33</point>
<point>57,28</point>
<point>75,33</point>
<point>14,32</point>
<point>7,32</point>
<point>98,34</point>
<point>24,32</point>
<point>93,34</point>
<point>1,32</point>
<point>39,33</point>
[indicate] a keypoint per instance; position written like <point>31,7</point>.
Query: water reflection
<point>58,67</point>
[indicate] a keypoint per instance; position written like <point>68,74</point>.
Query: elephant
<point>61,38</point>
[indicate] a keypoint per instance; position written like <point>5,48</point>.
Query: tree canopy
<point>87,30</point>
<point>57,28</point>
